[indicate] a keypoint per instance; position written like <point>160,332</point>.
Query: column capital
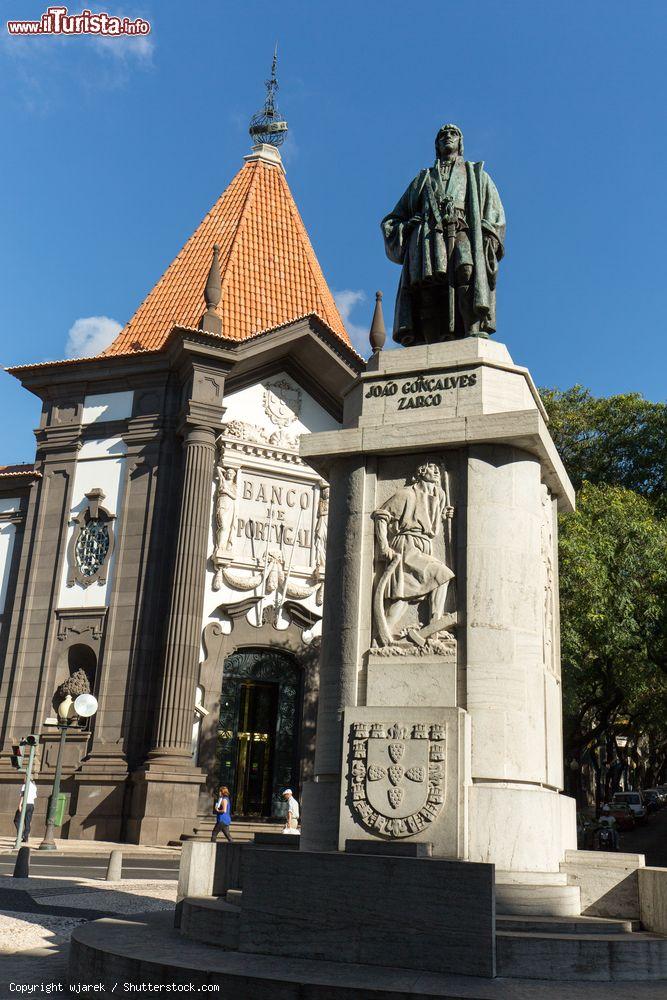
<point>57,440</point>
<point>204,417</point>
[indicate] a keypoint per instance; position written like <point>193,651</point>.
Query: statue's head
<point>429,472</point>
<point>448,140</point>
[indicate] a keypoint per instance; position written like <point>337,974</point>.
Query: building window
<point>91,544</point>
<point>92,547</point>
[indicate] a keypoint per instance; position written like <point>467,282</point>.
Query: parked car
<point>623,814</point>
<point>636,803</point>
<point>660,794</point>
<point>652,800</point>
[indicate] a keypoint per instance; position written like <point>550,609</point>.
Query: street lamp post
<point>68,714</point>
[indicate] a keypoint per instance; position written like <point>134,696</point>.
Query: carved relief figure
<point>547,548</point>
<point>405,527</point>
<point>321,528</point>
<point>225,509</point>
<point>225,502</point>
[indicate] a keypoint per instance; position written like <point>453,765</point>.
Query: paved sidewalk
<point>37,916</point>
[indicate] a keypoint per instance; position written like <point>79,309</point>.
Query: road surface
<point>92,866</point>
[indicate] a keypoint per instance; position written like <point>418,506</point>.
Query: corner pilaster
<point>166,790</point>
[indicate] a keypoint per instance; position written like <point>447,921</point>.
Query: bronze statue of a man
<point>448,232</point>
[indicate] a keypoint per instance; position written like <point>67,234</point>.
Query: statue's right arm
<point>381,518</point>
<point>396,228</point>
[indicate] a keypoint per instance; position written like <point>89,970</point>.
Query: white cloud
<point>347,299</point>
<point>126,47</point>
<point>89,336</point>
<point>45,67</point>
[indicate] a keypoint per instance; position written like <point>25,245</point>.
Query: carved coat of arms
<point>282,402</point>
<point>397,776</point>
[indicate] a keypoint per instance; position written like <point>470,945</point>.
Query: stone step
<point>573,925</point>
<point>234,897</point>
<point>581,957</point>
<point>207,823</point>
<point>530,878</point>
<point>538,900</point>
<point>242,831</point>
<point>211,921</point>
<point>149,949</point>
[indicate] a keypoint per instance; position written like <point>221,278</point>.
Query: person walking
<point>31,795</point>
<point>292,818</point>
<point>223,814</point>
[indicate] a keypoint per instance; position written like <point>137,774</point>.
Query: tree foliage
<point>613,565</point>
<point>621,440</point>
<point>613,571</point>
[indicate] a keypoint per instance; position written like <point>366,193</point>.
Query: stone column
<point>511,694</point>
<point>173,736</point>
<point>345,637</point>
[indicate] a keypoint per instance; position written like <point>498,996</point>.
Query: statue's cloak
<point>422,250</point>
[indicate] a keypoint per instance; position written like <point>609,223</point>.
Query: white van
<point>636,803</point>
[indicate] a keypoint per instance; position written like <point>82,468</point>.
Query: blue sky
<point>113,153</point>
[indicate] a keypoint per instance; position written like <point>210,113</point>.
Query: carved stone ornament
<point>92,542</point>
<point>225,511</point>
<point>261,442</point>
<point>396,780</point>
<point>282,402</point>
<point>547,551</point>
<point>405,529</point>
<point>79,621</point>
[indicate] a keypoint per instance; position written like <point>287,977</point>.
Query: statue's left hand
<point>449,512</point>
<point>491,247</point>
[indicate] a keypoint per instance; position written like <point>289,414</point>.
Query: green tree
<point>613,576</point>
<point>620,440</point>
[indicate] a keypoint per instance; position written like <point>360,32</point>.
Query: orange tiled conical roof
<point>270,274</point>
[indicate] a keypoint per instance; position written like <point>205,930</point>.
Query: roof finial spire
<point>378,334</point>
<point>267,126</point>
<point>210,321</point>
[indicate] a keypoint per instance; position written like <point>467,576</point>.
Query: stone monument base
<point>426,914</point>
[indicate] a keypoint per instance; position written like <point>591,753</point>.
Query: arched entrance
<point>258,735</point>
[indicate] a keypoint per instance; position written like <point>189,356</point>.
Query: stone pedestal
<point>425,914</point>
<point>492,670</point>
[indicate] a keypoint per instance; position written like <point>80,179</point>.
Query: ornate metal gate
<point>257,749</point>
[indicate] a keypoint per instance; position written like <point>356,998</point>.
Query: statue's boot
<point>471,322</point>
<point>432,318</point>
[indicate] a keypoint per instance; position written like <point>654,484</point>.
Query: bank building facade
<point>166,549</point>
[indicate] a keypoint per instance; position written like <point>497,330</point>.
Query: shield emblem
<point>396,751</point>
<point>395,795</point>
<point>395,772</point>
<point>282,402</point>
<point>405,797</point>
<point>416,773</point>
